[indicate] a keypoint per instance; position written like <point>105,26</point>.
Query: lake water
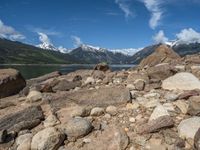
<point>32,71</point>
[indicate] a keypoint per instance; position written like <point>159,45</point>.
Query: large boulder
<point>27,118</point>
<point>181,81</point>
<point>161,71</point>
<point>11,82</point>
<point>163,54</point>
<point>47,139</point>
<point>65,85</point>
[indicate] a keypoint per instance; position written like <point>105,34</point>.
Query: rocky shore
<point>155,106</point>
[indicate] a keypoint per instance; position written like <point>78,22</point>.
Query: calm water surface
<point>32,71</point>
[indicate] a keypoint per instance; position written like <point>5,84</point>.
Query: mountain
<point>47,46</point>
<point>91,54</point>
<point>12,52</point>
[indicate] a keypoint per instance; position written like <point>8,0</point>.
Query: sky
<point>105,23</point>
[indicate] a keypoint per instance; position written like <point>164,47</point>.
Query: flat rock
<point>24,119</point>
<point>188,127</point>
<point>181,81</point>
<point>101,97</point>
<point>65,85</point>
<point>47,139</point>
<point>11,82</point>
<point>77,127</point>
<point>156,125</point>
<point>97,111</point>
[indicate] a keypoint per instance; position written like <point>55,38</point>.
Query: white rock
<point>132,119</point>
<point>34,96</point>
<point>23,142</point>
<point>152,95</point>
<point>182,105</point>
<point>51,121</point>
<point>89,80</point>
<point>169,107</point>
<point>97,111</point>
<point>181,81</point>
<point>130,87</point>
<point>47,139</point>
<point>112,110</point>
<point>159,111</point>
<point>188,127</point>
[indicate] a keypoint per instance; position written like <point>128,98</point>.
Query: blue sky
<point>105,23</point>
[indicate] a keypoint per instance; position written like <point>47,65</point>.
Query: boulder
<point>100,97</point>
<point>162,54</point>
<point>197,140</point>
<point>181,81</point>
<point>77,127</point>
<point>90,80</point>
<point>188,127</point>
<point>11,82</point>
<point>3,135</point>
<point>102,67</point>
<point>47,139</point>
<point>161,71</point>
<point>27,118</point>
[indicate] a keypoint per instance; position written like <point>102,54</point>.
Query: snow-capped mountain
<point>127,51</point>
<point>47,46</point>
<point>92,48</point>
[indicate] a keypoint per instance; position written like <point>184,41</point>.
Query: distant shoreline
<point>62,64</point>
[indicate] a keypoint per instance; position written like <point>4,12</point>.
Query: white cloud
<point>44,38</point>
<point>160,37</point>
<point>125,7</point>
<point>154,6</point>
<point>76,41</point>
<point>9,32</point>
<point>187,36</point>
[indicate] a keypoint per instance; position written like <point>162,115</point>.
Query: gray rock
<point>159,111</point>
<point>47,139</point>
<point>171,96</point>
<point>24,119</point>
<point>139,84</point>
<point>11,82</point>
<point>51,121</point>
<point>77,127</point>
<point>181,81</point>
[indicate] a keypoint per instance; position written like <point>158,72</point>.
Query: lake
<point>32,71</point>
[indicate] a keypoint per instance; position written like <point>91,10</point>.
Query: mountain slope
<point>19,53</point>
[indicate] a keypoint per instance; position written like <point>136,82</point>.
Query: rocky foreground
<point>155,106</point>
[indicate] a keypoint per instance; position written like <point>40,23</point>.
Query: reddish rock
<point>188,94</point>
